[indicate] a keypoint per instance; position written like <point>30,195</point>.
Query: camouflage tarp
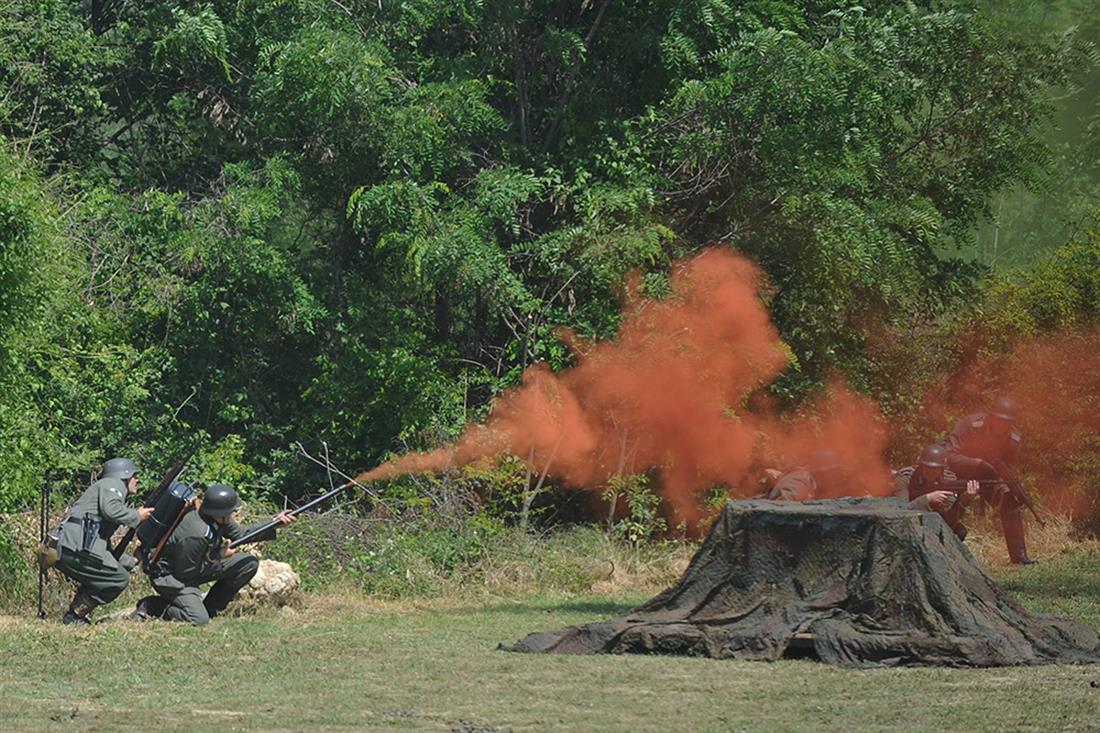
<point>855,582</point>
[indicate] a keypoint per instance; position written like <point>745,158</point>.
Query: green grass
<point>343,663</point>
<point>1067,585</point>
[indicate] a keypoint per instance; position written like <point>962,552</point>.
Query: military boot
<point>149,607</point>
<point>1013,523</point>
<point>79,609</point>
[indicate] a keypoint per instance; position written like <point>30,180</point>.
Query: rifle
<point>266,526</point>
<point>151,500</point>
<point>1012,481</point>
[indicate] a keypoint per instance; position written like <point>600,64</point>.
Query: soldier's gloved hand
<point>940,501</point>
<point>145,512</point>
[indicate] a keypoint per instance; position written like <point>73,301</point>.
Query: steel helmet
<point>219,500</point>
<point>120,468</point>
<point>934,456</point>
<point>1005,408</point>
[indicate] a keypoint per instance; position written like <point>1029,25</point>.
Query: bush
<point>15,573</point>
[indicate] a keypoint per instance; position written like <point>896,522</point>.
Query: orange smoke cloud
<point>669,395</point>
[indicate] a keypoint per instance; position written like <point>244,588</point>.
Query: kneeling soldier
<point>83,553</point>
<point>193,555</point>
<point>932,487</point>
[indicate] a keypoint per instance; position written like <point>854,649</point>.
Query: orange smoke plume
<point>669,395</point>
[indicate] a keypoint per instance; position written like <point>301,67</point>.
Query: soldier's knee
<point>112,590</point>
<point>248,567</point>
<point>194,614</point>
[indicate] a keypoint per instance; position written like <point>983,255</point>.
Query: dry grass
<point>986,540</point>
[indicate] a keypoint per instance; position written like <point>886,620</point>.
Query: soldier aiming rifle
<point>930,486</point>
<point>191,553</point>
<point>980,447</point>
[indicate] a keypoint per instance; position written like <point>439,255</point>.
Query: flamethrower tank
<point>168,508</point>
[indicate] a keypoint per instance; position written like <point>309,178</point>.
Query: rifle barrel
<point>262,529</point>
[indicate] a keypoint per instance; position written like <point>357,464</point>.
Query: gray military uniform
<point>185,564</point>
<point>96,571</point>
<point>796,485</point>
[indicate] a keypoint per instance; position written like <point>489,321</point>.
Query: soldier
<point>821,478</point>
<point>83,553</point>
<point>979,447</point>
<point>194,555</point>
<point>928,488</point>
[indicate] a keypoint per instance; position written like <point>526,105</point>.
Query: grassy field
<point>342,663</point>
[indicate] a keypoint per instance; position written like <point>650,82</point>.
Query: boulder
<point>273,585</point>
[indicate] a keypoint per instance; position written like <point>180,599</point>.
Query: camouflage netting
<point>855,582</point>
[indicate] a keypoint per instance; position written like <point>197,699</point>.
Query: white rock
<point>274,584</point>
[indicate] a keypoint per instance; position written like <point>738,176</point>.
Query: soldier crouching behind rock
<point>194,555</point>
<point>83,553</point>
<point>931,487</point>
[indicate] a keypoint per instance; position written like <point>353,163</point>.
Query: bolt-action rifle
<point>958,487</point>
<point>1012,481</point>
<point>266,526</point>
<point>151,500</point>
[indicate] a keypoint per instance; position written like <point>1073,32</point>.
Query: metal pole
<point>43,521</point>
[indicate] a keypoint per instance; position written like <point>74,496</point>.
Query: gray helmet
<point>1006,409</point>
<point>120,468</point>
<point>219,500</point>
<point>934,456</point>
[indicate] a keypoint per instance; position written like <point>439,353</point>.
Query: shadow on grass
<point>596,607</point>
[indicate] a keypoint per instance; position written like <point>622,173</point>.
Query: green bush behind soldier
<point>84,555</point>
<point>194,555</point>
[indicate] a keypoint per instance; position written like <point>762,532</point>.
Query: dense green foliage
<point>240,225</point>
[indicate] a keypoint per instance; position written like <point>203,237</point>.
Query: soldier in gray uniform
<point>83,553</point>
<point>980,447</point>
<point>194,555</point>
<point>822,478</point>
